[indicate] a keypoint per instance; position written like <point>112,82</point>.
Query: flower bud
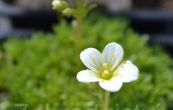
<point>67,12</point>
<point>59,5</point>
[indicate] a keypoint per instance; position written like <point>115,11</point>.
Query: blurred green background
<point>41,70</point>
<point>39,63</point>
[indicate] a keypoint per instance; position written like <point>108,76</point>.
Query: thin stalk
<point>47,107</point>
<point>78,33</point>
<point>106,101</point>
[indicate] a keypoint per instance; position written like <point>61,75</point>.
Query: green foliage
<point>41,71</point>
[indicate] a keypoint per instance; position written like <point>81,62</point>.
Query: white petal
<point>112,85</point>
<point>128,71</point>
<point>91,58</point>
<point>87,76</point>
<point>113,54</point>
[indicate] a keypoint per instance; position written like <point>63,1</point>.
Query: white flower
<point>59,5</point>
<point>107,67</point>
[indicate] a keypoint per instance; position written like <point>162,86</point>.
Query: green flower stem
<point>78,31</point>
<point>47,107</point>
<point>79,28</point>
<point>106,101</point>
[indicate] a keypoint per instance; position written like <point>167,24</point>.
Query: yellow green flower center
<point>106,73</point>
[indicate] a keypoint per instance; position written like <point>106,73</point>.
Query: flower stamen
<point>105,65</point>
<point>106,74</point>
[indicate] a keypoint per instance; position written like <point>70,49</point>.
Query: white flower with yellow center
<point>107,67</point>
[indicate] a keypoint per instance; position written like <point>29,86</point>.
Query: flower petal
<point>91,58</point>
<point>113,54</point>
<point>128,71</point>
<point>87,76</point>
<point>112,85</point>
